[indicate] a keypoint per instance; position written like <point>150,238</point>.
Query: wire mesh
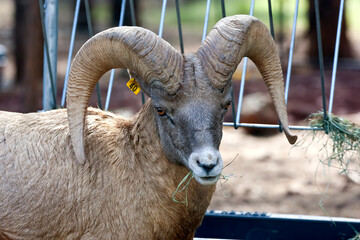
<point>71,49</point>
<point>207,4</point>
<point>336,55</point>
<point>48,14</point>
<point>242,83</point>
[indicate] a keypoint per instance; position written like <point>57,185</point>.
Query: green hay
<point>226,178</point>
<point>340,147</point>
<point>357,237</point>
<point>344,139</point>
<point>186,183</point>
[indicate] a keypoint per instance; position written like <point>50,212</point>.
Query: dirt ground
<point>269,175</point>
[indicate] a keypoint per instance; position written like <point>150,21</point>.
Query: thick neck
<point>163,177</point>
<point>144,130</point>
<point>148,149</point>
<point>139,176</point>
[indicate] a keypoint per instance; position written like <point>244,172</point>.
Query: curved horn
<point>238,36</point>
<point>134,48</point>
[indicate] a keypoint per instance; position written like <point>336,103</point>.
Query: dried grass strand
<point>344,139</point>
<point>185,187</point>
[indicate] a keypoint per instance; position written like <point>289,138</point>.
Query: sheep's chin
<point>208,180</point>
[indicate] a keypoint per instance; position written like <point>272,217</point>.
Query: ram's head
<point>190,94</point>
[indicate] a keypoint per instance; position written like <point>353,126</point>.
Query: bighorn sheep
<point>129,169</point>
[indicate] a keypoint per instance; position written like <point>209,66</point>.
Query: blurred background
<point>268,177</point>
<point>22,46</point>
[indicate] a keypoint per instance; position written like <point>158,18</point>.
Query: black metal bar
<point>91,33</point>
<point>132,13</point>
<point>271,20</point>
<point>251,226</point>
<point>88,18</point>
<point>223,12</point>
<point>133,23</point>
<point>41,5</point>
<point>272,31</point>
<point>321,62</point>
<point>179,26</point>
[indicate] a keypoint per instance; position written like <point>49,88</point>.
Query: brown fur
<point>124,191</point>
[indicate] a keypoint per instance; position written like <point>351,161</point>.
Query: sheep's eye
<point>227,105</point>
<point>160,111</point>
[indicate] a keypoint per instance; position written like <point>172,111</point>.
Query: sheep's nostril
<point>206,162</point>
<point>209,167</point>
<point>205,166</point>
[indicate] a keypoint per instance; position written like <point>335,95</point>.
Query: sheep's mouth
<point>207,180</point>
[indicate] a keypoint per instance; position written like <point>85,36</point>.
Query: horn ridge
<point>235,37</point>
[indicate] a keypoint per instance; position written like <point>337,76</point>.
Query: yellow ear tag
<point>133,85</point>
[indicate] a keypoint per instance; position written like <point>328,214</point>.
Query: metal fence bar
<point>88,18</point>
<point>336,55</point>
<point>271,20</point>
<point>112,74</point>
<point>272,126</point>
<point>50,31</point>
<point>206,21</point>
<point>223,11</point>
<point>109,91</point>
<point>179,26</point>
<point>223,14</point>
<point>132,12</point>
<point>91,33</point>
<point>71,48</point>
<point>122,13</point>
<point>291,53</point>
<point>321,60</point>
<point>133,23</point>
<point>236,122</point>
<point>162,19</point>
<point>243,75</point>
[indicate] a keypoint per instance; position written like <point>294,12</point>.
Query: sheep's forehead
<point>194,79</point>
<point>195,83</point>
<point>196,100</point>
<point>195,89</point>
